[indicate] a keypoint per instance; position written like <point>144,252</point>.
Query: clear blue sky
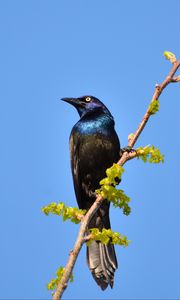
<point>113,50</point>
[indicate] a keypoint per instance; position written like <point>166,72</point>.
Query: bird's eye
<point>88,99</point>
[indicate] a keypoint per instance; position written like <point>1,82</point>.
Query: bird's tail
<point>102,263</point>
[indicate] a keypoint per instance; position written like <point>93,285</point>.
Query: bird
<point>94,147</point>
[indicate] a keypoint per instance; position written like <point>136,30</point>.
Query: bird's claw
<point>127,149</point>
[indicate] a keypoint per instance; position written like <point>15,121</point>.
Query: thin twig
<point>125,157</point>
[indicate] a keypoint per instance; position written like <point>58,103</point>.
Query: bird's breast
<point>103,125</point>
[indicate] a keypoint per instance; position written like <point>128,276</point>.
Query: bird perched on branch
<point>94,147</point>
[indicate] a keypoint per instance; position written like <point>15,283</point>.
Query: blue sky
<point>113,50</point>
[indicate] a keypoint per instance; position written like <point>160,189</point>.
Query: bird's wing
<point>74,154</point>
<point>90,157</point>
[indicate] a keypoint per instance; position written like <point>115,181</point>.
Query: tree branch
<point>124,158</point>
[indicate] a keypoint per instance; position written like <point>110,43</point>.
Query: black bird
<point>94,147</point>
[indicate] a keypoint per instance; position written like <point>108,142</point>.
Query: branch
<point>158,90</point>
<point>77,247</point>
<point>124,158</point>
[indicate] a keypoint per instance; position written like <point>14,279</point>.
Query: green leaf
<point>150,154</point>
<point>52,285</point>
<point>117,197</point>
<point>114,174</point>
<point>68,213</point>
<point>109,192</point>
<point>154,107</point>
<point>107,235</point>
<point>170,56</point>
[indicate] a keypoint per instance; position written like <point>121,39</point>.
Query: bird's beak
<point>73,101</point>
<point>69,100</point>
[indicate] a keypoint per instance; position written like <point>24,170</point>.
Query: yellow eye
<point>88,99</point>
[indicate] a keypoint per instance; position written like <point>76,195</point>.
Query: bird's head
<point>87,104</point>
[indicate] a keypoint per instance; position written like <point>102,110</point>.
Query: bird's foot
<point>127,149</point>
